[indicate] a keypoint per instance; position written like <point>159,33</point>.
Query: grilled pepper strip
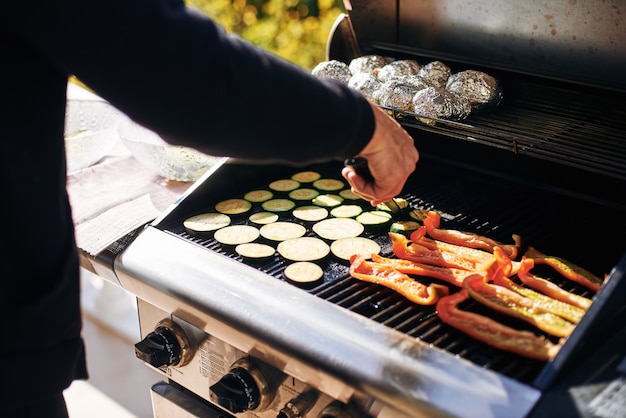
<point>391,278</point>
<point>467,239</point>
<point>564,310</point>
<point>513,304</point>
<point>566,269</point>
<point>419,237</point>
<point>547,287</point>
<point>407,250</point>
<point>448,274</point>
<point>493,333</point>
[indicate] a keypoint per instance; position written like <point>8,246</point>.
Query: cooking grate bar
<point>573,128</point>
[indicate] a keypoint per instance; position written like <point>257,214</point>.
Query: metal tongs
<point>360,166</point>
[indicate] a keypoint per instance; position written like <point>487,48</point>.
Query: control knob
<point>167,345</point>
<point>244,388</point>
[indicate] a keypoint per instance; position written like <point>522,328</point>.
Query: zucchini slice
<point>303,272</point>
<point>374,218</point>
<point>346,211</point>
<point>233,206</point>
<point>327,200</point>
<point>282,231</point>
<point>206,222</point>
<point>419,215</point>
<point>347,247</point>
<point>284,185</point>
<point>306,176</point>
<point>329,185</point>
<point>404,227</point>
<point>258,196</point>
<point>399,201</point>
<point>348,194</point>
<point>303,249</point>
<point>303,194</point>
<point>236,234</point>
<point>263,218</point>
<point>255,251</point>
<point>338,228</point>
<point>310,213</point>
<point>278,205</point>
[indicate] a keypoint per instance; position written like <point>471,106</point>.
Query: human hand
<point>391,157</point>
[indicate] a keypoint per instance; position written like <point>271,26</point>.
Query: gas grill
<point>234,337</point>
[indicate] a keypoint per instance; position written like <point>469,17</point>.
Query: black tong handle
<point>360,166</point>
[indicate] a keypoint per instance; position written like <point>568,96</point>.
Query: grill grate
<point>570,127</point>
<point>467,202</point>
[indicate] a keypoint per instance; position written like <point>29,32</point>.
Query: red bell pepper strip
<point>493,333</point>
<point>468,239</point>
<point>448,274</point>
<point>408,250</point>
<point>391,278</point>
<point>564,310</point>
<point>566,269</point>
<point>547,287</point>
<point>513,304</point>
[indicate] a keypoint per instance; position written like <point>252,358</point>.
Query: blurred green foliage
<point>296,30</point>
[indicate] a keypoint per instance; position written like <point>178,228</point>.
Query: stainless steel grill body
<point>549,164</point>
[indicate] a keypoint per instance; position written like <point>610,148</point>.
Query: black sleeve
<point>178,73</point>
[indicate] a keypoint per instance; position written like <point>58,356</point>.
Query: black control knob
<point>244,388</point>
<point>167,345</point>
<point>237,391</point>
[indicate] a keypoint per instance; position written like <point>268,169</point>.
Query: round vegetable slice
<point>310,213</point>
<point>338,228</point>
<point>400,202</point>
<point>347,247</point>
<point>348,194</point>
<point>236,234</point>
<point>306,176</point>
<point>263,218</point>
<point>281,231</point>
<point>303,194</point>
<point>278,205</point>
<point>327,200</point>
<point>284,185</point>
<point>374,218</point>
<point>303,272</point>
<point>257,196</point>
<point>419,215</point>
<point>303,249</point>
<point>206,222</point>
<point>255,251</point>
<point>329,185</point>
<point>233,206</point>
<point>404,227</point>
<point>346,211</point>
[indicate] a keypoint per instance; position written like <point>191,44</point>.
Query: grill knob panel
<point>244,388</point>
<point>167,345</point>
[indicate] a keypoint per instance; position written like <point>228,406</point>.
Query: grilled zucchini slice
<point>303,249</point>
<point>347,247</point>
<point>282,231</point>
<point>310,213</point>
<point>303,272</point>
<point>206,222</point>
<point>236,234</point>
<point>338,228</point>
<point>278,205</point>
<point>306,176</point>
<point>233,206</point>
